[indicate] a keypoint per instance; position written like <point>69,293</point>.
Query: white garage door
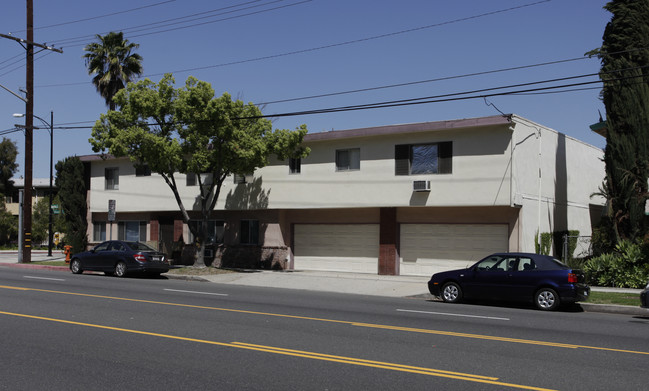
<point>337,247</point>
<point>430,248</point>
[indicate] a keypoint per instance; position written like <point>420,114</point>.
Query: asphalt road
<point>89,332</point>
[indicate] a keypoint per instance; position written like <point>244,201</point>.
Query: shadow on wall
<point>247,196</point>
<point>560,190</point>
<point>419,198</point>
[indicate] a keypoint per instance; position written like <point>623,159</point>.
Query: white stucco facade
<point>489,188</point>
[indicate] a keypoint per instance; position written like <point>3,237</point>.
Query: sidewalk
<point>339,282</point>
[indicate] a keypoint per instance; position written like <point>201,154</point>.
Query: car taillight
<point>572,277</point>
<point>139,257</point>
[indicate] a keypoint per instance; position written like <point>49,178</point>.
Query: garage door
<point>429,248</point>
<point>336,247</point>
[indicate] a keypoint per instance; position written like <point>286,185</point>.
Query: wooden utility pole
<point>29,44</point>
<point>29,137</point>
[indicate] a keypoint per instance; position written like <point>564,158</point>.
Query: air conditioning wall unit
<point>420,185</point>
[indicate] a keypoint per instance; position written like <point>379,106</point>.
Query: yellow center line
<point>358,324</point>
<point>302,354</point>
<point>465,335</point>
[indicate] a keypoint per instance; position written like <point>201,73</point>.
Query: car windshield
<point>137,246</point>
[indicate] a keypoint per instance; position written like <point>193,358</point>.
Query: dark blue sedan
<point>513,277</point>
<point>118,257</point>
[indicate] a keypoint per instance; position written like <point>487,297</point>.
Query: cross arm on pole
<point>21,40</point>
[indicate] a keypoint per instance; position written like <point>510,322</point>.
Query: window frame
<point>111,178</point>
<point>353,156</point>
<point>142,170</point>
<point>190,179</point>
<point>218,236</point>
<point>122,230</point>
<point>240,179</point>
<point>249,232</point>
<point>294,165</point>
<point>403,156</point>
<point>98,231</point>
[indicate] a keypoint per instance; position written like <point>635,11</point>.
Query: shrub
<point>625,267</point>
<point>545,245</point>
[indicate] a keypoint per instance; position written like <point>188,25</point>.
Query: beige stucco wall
<point>480,177</point>
<point>570,172</point>
<point>495,179</point>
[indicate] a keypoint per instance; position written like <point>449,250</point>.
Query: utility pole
<point>50,233</point>
<point>29,136</point>
<point>29,44</point>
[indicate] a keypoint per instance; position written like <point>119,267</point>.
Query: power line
<point>423,81</point>
<point>99,16</point>
<point>21,66</point>
<point>315,48</point>
<point>464,95</point>
<point>366,39</point>
<point>75,41</point>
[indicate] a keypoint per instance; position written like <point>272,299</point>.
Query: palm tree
<point>112,62</point>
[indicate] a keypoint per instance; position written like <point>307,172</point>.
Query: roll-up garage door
<point>336,247</point>
<point>430,248</point>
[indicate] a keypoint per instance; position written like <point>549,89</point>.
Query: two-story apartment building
<point>407,199</point>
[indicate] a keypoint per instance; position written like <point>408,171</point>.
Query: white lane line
<point>448,314</point>
<point>198,293</point>
<point>44,278</point>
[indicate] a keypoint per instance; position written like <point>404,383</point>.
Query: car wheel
<point>451,292</point>
<point>75,266</point>
<point>120,269</point>
<point>546,299</point>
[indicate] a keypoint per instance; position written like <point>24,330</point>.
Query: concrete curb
<point>615,309</point>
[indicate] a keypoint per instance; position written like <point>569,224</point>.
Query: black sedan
<point>513,277</point>
<point>118,257</point>
<point>644,297</point>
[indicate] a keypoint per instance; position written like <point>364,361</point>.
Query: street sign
<point>111,210</point>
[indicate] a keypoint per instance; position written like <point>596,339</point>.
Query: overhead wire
<point>320,47</point>
<point>97,17</point>
<point>464,95</point>
<point>74,41</point>
<point>354,41</point>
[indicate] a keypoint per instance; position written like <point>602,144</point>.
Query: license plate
<point>155,259</point>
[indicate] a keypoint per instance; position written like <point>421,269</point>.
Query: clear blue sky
<point>270,50</point>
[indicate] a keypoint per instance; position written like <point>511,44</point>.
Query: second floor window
<point>294,165</point>
<point>423,159</point>
<point>143,170</point>
<point>112,178</point>
<point>348,159</point>
<point>246,178</point>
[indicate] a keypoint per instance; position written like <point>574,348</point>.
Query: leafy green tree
<point>72,193</point>
<point>41,220</point>
<point>8,225</point>
<point>625,72</point>
<point>113,63</point>
<point>190,131</point>
<point>8,165</point>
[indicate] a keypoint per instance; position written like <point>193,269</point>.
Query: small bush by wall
<point>251,257</point>
<point>625,267</point>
